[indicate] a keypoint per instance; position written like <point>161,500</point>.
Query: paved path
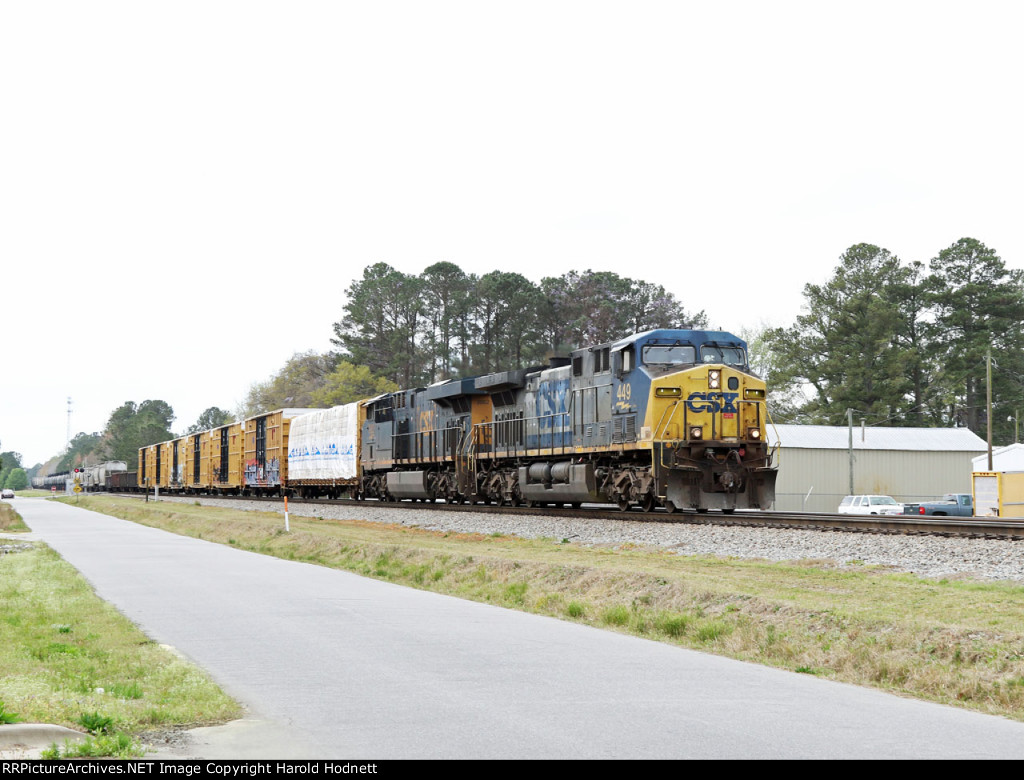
<point>336,666</point>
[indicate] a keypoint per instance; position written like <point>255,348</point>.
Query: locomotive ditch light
<point>754,433</point>
<point>714,379</point>
<point>696,432</point>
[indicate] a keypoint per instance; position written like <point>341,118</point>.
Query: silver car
<point>8,493</point>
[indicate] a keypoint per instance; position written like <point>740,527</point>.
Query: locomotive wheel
<point>729,511</point>
<point>623,503</point>
<point>670,507</point>
<point>647,503</point>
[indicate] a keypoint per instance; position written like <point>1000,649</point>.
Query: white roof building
<point>909,464</point>
<point>1009,458</point>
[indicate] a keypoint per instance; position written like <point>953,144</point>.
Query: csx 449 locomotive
<point>669,418</point>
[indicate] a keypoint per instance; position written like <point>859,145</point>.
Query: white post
<point>286,528</point>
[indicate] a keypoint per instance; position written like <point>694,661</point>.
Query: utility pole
<point>849,421</point>
<point>988,400</point>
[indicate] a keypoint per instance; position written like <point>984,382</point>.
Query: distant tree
<point>82,451</point>
<point>651,306</point>
<point>349,383</point>
<point>506,313</point>
<point>133,426</point>
<point>979,305</point>
<point>381,323</point>
<point>16,480</point>
<point>214,417</point>
<point>845,345</point>
<point>785,397</point>
<point>581,309</point>
<point>293,386</point>
<point>446,300</point>
<point>8,461</point>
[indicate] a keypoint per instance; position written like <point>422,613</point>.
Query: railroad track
<point>979,527</point>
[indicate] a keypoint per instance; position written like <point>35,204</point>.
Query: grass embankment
<point>10,520</point>
<point>957,642</point>
<point>70,658</point>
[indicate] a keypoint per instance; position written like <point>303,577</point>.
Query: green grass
<point>71,659</point>
<point>958,642</point>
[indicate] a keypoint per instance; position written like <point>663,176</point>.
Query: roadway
<point>331,665</point>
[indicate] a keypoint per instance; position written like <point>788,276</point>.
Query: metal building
<point>909,464</point>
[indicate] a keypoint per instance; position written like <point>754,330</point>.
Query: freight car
<point>91,478</point>
<point>240,458</point>
<point>671,418</point>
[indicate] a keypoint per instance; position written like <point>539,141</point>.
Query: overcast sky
<point>187,188</point>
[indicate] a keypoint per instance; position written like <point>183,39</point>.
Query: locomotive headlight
<point>714,379</point>
<point>754,433</point>
<point>696,432</point>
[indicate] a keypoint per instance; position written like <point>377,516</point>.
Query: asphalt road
<point>335,666</point>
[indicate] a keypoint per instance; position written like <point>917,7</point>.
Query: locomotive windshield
<point>731,356</point>
<point>678,354</point>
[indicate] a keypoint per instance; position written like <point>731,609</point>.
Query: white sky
<point>187,188</point>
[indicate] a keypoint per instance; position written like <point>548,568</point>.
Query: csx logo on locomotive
<point>711,402</point>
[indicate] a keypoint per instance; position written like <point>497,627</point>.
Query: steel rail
<point>980,527</point>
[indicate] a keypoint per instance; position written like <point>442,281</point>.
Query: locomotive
<point>669,418</point>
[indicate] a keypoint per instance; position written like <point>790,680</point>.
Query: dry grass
<point>957,642</point>
<point>10,520</point>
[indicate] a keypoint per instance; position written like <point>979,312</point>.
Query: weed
<point>712,631</point>
<point>516,592</point>
<point>575,610</point>
<point>95,723</point>
<point>616,615</point>
<point>672,624</point>
<point>102,746</point>
<point>8,717</point>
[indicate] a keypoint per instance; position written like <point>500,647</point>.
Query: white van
<point>870,505</point>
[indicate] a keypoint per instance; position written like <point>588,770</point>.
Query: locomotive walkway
<point>335,666</point>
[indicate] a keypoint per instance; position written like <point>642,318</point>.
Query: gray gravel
<point>937,557</point>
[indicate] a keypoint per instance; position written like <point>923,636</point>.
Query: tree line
<point>903,344</point>
<point>444,323</point>
<point>900,344</point>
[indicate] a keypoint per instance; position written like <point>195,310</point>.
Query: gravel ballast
<point>928,556</point>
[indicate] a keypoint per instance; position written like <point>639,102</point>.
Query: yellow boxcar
<point>147,466</point>
<point>226,451</point>
<point>266,450</point>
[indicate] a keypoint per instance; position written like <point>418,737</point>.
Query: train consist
<point>90,478</point>
<point>670,418</point>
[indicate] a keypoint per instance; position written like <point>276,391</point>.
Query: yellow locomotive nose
<point>707,404</point>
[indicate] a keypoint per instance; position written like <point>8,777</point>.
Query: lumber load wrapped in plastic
<point>322,445</point>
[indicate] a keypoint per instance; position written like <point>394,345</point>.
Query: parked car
<point>870,505</point>
<point>958,504</point>
<point>8,493</point>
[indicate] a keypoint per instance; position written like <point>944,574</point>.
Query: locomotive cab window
<point>623,361</point>
<point>675,355</point>
<point>731,356</point>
